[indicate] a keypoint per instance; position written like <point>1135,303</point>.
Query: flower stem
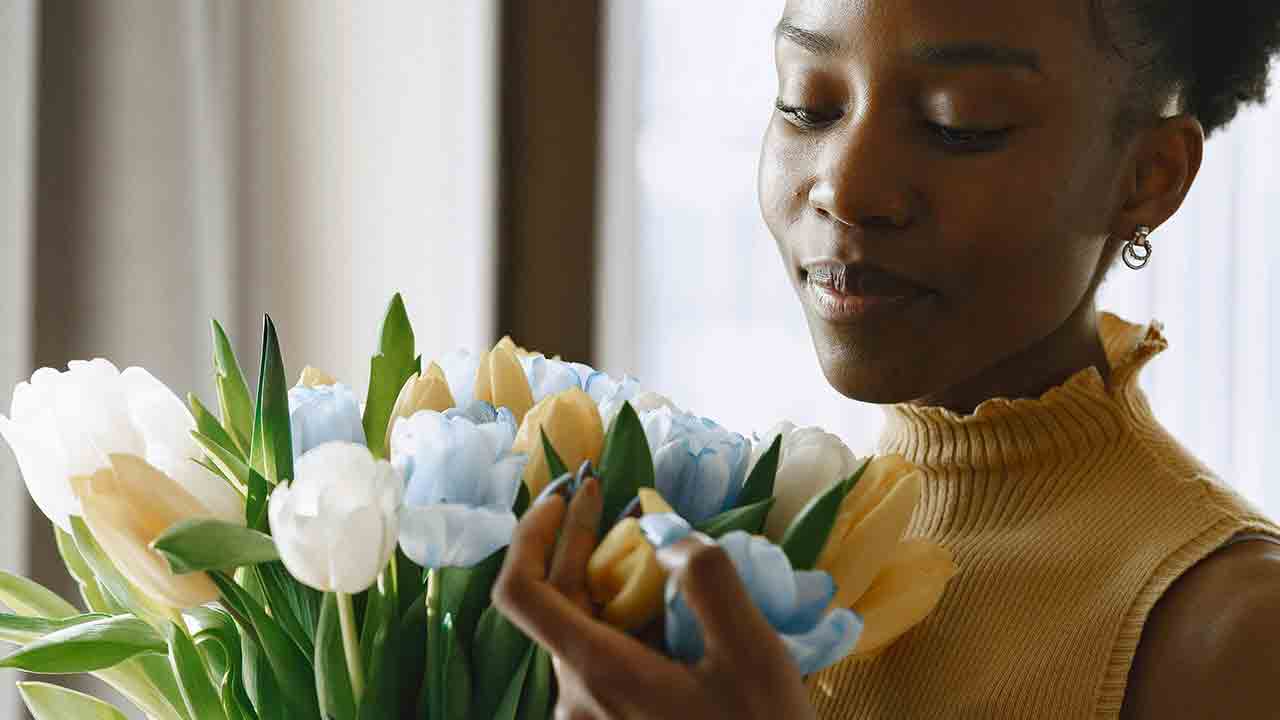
<point>351,644</point>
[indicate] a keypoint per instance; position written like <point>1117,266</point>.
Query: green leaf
<point>89,646</point>
<point>625,464</point>
<point>759,485</point>
<point>457,704</point>
<point>27,597</point>
<point>22,629</point>
<point>749,519</point>
<point>208,426</point>
<point>555,466</point>
<point>537,700</point>
<point>807,535</point>
<point>230,464</point>
<point>464,592</point>
<point>509,705</point>
<point>51,702</point>
<point>272,453</point>
<point>198,693</point>
<point>203,544</point>
<point>233,393</point>
<point>380,645</point>
<point>389,370</point>
<point>112,581</point>
<point>260,682</point>
<point>497,655</point>
<point>292,669</point>
<point>333,682</point>
<point>294,605</point>
<point>522,500</point>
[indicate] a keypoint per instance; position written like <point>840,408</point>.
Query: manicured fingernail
<point>562,486</point>
<point>633,510</point>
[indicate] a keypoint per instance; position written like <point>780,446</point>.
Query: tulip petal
<point>299,536</point>
<point>857,558</point>
<point>40,459</point>
<point>358,550</point>
<point>460,368</point>
<point>663,529</point>
<point>436,536</point>
<point>906,591</point>
<point>827,643</point>
<point>766,572</point>
<point>127,507</point>
<point>814,591</point>
<point>323,415</point>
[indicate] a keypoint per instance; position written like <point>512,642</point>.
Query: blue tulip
<point>794,603</point>
<point>699,467</point>
<point>461,481</point>
<point>324,414</point>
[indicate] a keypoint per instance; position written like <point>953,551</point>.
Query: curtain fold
<point>201,158</point>
<point>17,81</point>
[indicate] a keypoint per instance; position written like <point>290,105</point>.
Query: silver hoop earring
<point>1137,251</point>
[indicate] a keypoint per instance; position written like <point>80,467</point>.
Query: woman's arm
<point>1211,646</point>
<point>604,673</point>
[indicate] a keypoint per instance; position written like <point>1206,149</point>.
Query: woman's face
<point>941,178</point>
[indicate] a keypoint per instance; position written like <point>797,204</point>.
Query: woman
<point>948,183</point>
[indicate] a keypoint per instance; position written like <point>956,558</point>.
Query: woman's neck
<point>1029,373</point>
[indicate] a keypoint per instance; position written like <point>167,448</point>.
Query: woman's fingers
<point>523,594</point>
<point>577,541</point>
<point>733,628</point>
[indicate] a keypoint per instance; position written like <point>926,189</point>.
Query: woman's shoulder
<point>1211,645</point>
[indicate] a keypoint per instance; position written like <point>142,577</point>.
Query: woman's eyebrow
<point>978,54</point>
<point>815,42</point>
<point>953,55</point>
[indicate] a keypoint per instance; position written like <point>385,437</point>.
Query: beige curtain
<point>201,159</point>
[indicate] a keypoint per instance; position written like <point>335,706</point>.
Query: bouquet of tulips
<point>300,554</point>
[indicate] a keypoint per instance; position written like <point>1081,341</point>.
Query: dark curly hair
<point>1212,55</point>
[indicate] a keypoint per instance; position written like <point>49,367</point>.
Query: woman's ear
<point>1166,163</point>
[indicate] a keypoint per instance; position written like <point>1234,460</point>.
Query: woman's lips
<point>843,293</point>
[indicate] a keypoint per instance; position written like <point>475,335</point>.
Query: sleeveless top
<point>1068,516</point>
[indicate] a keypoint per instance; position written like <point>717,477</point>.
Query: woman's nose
<point>858,182</point>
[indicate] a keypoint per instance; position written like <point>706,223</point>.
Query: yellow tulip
<point>312,378</point>
<point>869,526</point>
<point>501,382</point>
<point>623,574</point>
<point>506,343</point>
<point>429,391</point>
<point>907,589</point>
<point>651,502</point>
<point>572,424</point>
<point>127,506</point>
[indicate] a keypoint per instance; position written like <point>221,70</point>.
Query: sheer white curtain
<point>301,157</point>
<point>17,62</point>
<point>696,303</point>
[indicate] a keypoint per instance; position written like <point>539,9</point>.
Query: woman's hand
<point>605,673</point>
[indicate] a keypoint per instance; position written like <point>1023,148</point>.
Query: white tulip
<point>811,461</point>
<point>336,525</point>
<point>68,424</point>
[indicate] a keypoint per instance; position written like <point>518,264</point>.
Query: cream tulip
<point>130,504</point>
<point>428,391</point>
<point>314,378</point>
<point>501,382</point>
<point>572,423</point>
<point>66,424</point>
<point>336,525</point>
<point>810,461</point>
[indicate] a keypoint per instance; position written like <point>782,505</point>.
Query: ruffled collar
<point>1068,418</point>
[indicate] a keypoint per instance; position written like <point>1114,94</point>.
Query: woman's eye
<point>807,118</point>
<point>969,140</point>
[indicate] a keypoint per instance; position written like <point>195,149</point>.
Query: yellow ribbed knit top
<point>1068,516</point>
